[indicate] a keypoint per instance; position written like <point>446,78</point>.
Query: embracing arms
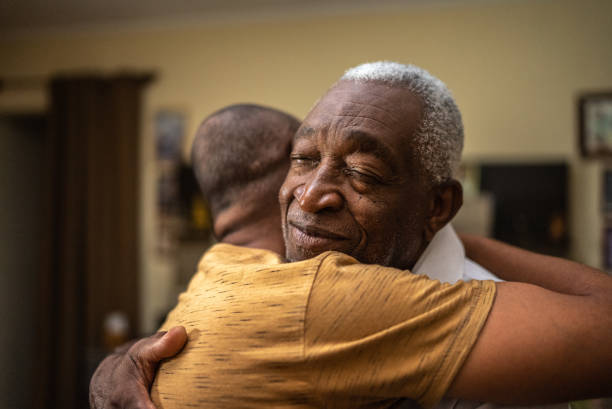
<point>547,338</point>
<point>549,333</point>
<point>124,378</point>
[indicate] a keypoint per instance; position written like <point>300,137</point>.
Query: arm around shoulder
<point>547,337</point>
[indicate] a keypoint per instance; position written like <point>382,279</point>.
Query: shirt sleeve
<point>374,333</point>
<point>185,301</point>
<point>220,257</point>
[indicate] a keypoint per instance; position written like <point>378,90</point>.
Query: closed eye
<point>363,176</point>
<point>303,161</point>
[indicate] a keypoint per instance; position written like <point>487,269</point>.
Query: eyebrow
<point>367,143</point>
<point>304,132</point>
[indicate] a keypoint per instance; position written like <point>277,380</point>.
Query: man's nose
<point>321,192</point>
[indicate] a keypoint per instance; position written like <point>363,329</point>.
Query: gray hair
<point>438,139</point>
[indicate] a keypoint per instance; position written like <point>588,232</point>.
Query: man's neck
<point>241,228</point>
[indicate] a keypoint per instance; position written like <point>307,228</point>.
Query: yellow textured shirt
<point>326,332</point>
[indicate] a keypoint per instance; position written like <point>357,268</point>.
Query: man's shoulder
<point>223,253</point>
<point>474,271</point>
<point>261,265</point>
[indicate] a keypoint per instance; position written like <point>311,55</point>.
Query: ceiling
<point>36,14</point>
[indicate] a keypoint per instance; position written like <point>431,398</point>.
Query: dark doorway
<point>530,205</point>
<point>22,190</point>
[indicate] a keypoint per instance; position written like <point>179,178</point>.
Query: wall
<point>515,67</point>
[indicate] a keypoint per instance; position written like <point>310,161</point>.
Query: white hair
<point>438,140</point>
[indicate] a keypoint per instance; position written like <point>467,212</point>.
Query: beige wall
<point>515,68</point>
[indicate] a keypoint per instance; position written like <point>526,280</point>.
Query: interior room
<point>103,222</point>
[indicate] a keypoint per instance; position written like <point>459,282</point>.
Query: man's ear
<point>445,200</point>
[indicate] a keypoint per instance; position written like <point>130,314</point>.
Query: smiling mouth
<point>312,241</point>
<point>317,232</point>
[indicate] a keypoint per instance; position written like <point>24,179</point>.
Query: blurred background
<point>101,221</point>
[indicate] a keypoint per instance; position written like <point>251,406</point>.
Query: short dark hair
<point>237,145</point>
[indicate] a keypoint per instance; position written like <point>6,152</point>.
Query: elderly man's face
<point>354,185</point>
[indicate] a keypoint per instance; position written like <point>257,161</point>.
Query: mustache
<point>318,230</point>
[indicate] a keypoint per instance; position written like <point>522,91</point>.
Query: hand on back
<point>123,379</point>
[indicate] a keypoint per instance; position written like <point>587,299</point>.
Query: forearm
<point>547,334</point>
<point>514,264</point>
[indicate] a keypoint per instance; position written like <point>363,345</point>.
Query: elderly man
<point>241,156</point>
<point>326,331</point>
<point>354,186</point>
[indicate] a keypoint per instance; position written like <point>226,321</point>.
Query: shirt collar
<point>444,257</point>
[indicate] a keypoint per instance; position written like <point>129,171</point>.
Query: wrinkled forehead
<point>375,105</point>
<point>387,116</point>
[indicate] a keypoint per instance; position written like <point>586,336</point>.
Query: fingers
<point>162,345</point>
<point>124,378</point>
<point>169,344</point>
<point>146,354</point>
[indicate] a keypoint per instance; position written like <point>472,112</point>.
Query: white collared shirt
<point>444,259</point>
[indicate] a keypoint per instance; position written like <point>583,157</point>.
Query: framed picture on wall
<point>595,122</point>
<point>607,248</point>
<point>607,191</point>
